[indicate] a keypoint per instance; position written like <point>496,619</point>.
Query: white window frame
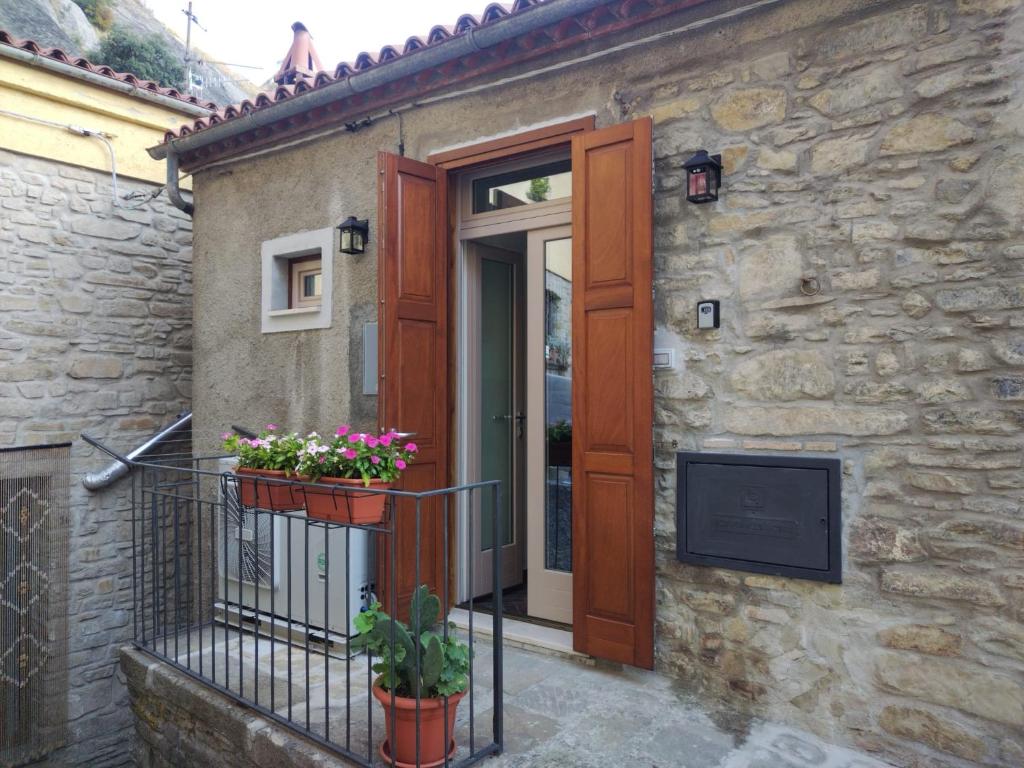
<point>276,256</point>
<point>300,269</point>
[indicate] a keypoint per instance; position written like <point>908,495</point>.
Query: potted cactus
<point>413,659</point>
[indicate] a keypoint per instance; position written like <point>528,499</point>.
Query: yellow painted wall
<point>133,123</point>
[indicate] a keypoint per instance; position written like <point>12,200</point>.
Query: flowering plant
<point>268,451</point>
<point>352,454</point>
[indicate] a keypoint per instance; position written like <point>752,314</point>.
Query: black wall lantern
<point>703,177</point>
<point>355,234</point>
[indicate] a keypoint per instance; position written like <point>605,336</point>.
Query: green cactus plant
<point>443,665</point>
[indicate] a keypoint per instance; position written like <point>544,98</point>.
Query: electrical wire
<point>144,197</point>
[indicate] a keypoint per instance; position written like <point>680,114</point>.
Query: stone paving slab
<point>559,712</point>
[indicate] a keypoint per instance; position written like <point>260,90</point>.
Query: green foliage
<point>100,13</point>
<point>539,189</point>
<point>146,57</point>
<point>443,664</point>
<point>352,454</point>
<point>268,451</point>
<point>560,432</point>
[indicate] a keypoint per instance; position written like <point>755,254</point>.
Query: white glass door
<point>549,423</point>
<point>499,413</point>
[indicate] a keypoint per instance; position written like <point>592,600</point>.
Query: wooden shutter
<point>413,392</point>
<point>612,395</point>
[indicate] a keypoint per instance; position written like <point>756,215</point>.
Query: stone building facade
<point>867,250</point>
<point>95,334</point>
<point>95,337</point>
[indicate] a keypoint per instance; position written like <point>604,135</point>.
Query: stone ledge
<point>182,723</point>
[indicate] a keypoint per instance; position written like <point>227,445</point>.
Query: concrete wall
<point>95,336</point>
<point>876,146</point>
<point>131,123</point>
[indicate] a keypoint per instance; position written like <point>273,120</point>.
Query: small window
<point>306,280</point>
<point>537,184</point>
<point>295,288</point>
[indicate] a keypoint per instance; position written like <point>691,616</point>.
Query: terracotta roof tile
<point>617,14</point>
<point>56,54</point>
<point>364,61</point>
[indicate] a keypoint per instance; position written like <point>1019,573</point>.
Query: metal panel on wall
<point>768,514</point>
<point>34,516</point>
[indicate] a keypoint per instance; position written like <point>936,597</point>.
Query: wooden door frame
<point>468,158</point>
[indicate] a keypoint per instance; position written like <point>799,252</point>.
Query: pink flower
<point>400,464</point>
<point>411,448</point>
<point>225,436</point>
<point>343,430</point>
<point>271,427</point>
<point>353,438</point>
<point>321,459</point>
<point>375,459</point>
<point>351,453</point>
<point>372,442</point>
<point>385,440</point>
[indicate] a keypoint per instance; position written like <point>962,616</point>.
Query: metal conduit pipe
<point>70,70</point>
<point>476,39</point>
<point>94,481</point>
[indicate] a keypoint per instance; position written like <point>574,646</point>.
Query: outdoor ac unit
<point>262,568</point>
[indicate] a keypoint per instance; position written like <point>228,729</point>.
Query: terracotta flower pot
<point>351,503</point>
<point>401,733</point>
<point>254,490</point>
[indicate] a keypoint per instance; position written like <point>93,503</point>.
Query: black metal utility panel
<point>766,514</point>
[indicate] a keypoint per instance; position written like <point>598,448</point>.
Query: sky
<point>257,33</point>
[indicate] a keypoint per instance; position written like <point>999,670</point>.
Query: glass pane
<point>558,403</point>
<point>311,286</point>
<point>550,181</point>
<point>496,393</point>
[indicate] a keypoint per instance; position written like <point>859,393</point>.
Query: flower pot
<point>257,489</point>
<point>400,727</point>
<point>350,503</point>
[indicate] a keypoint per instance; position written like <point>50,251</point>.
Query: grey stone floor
<point>559,712</point>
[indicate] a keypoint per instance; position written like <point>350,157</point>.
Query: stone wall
<point>95,336</point>
<point>883,157</point>
<point>875,146</point>
<point>183,724</point>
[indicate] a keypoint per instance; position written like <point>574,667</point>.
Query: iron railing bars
<point>174,502</point>
<point>496,628</point>
<point>471,549</point>
<point>305,580</point>
<point>273,613</point>
<point>444,604</point>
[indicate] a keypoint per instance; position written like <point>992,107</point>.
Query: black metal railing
<point>237,586</point>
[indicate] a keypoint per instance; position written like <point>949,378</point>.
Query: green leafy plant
<point>539,189</point>
<point>100,13</point>
<point>560,432</point>
<point>268,451</point>
<point>443,664</point>
<point>148,57</point>
<point>352,454</point>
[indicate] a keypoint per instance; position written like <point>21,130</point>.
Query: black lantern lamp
<point>355,234</point>
<point>703,177</point>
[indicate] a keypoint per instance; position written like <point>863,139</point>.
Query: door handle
<point>519,419</point>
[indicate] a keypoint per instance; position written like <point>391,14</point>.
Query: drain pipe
<point>476,39</point>
<point>173,190</point>
<point>94,481</point>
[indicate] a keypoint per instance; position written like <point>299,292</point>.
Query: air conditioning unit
<point>268,563</point>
